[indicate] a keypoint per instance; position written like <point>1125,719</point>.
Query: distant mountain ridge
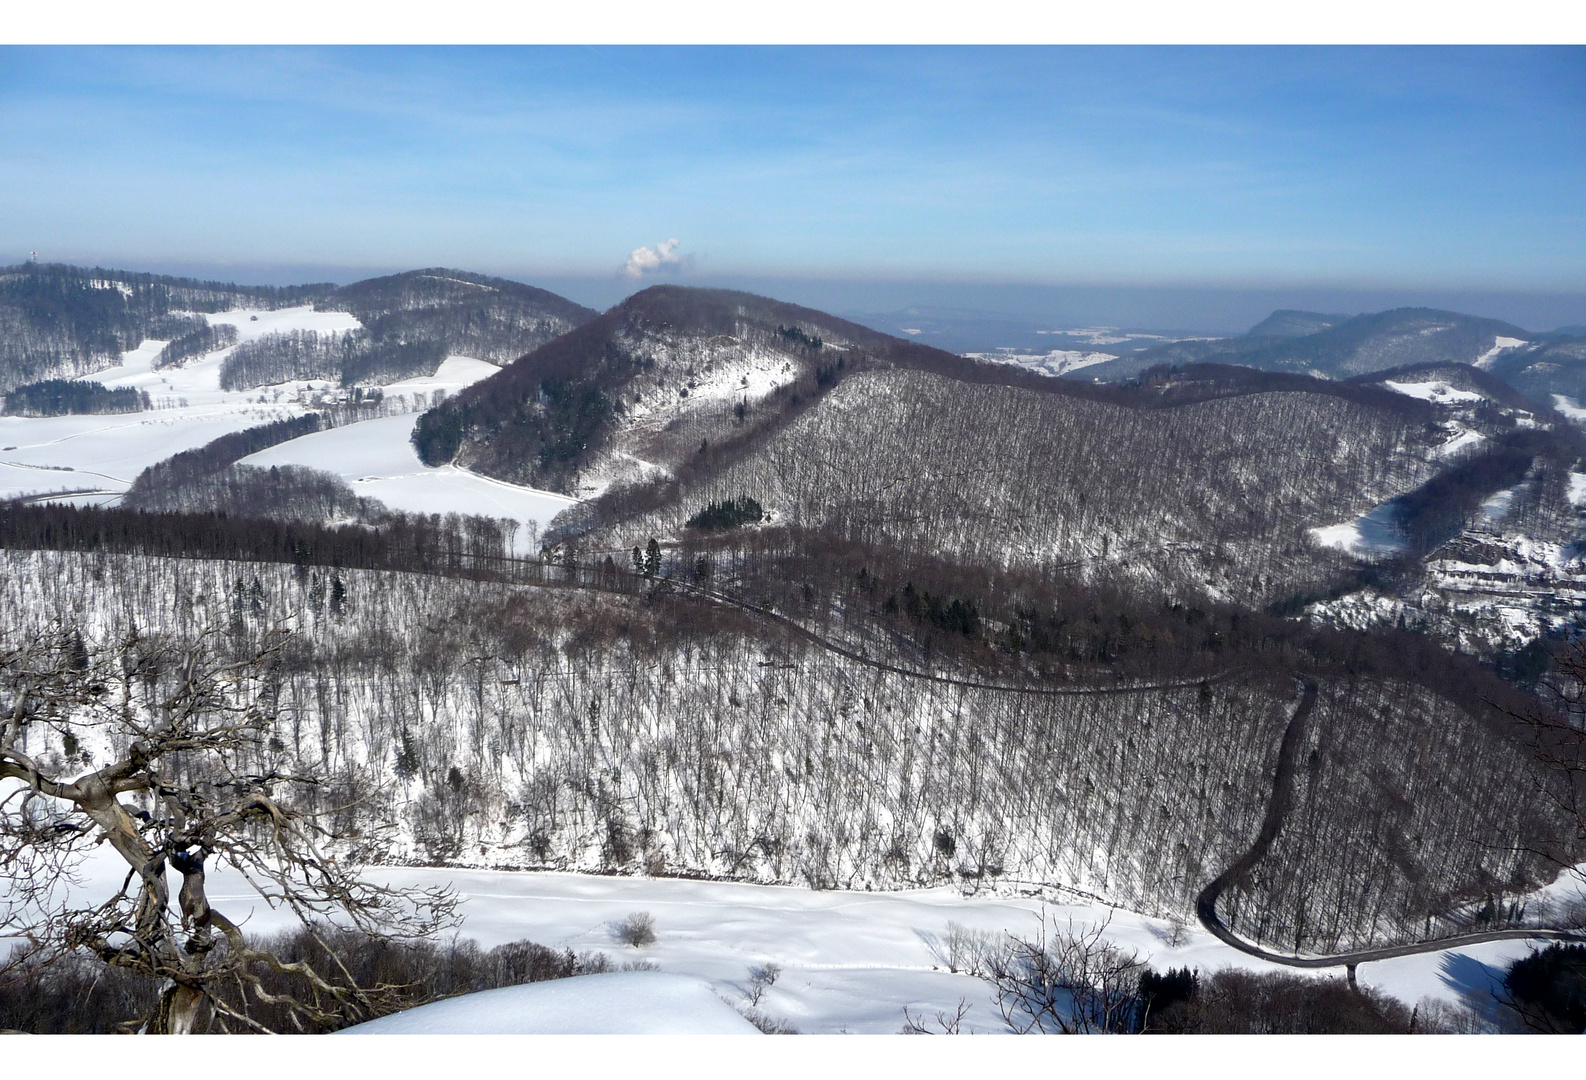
<point>1339,349</point>
<point>1286,324</point>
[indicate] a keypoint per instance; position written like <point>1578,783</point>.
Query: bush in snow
<point>638,929</point>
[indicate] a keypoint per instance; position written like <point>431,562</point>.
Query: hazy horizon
<point>1168,307</point>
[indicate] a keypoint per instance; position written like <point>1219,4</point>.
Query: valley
<point>710,602</point>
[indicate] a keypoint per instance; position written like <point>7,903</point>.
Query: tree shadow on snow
<point>1480,988</point>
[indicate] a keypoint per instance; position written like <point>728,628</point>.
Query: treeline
<point>350,358</point>
<point>1235,1002</point>
<point>728,514</point>
<point>58,397</point>
<point>287,492</point>
<point>204,338</point>
<point>452,544</point>
<point>214,456</point>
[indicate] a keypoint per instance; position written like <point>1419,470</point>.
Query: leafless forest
<point>556,727</point>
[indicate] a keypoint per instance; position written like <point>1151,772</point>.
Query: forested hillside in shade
<point>548,727</point>
<point>1210,496</point>
<point>58,320</point>
<point>58,397</point>
<point>577,410</point>
<point>459,313</point>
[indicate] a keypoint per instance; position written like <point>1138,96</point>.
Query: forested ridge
<point>59,397</point>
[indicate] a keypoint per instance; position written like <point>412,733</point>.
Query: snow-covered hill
<point>94,458</point>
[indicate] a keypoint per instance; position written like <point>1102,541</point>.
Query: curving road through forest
<point>1277,810</point>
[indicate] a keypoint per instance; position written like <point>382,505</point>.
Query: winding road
<point>1277,810</point>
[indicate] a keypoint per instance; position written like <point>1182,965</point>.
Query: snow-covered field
<point>94,458</point>
<point>615,1003</point>
<point>1569,409</point>
<point>103,453</point>
<point>1056,362</point>
<point>377,459</point>
<point>851,962</point>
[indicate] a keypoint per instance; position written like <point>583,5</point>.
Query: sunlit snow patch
<point>1577,489</point>
<point>1373,533</point>
<point>1499,345</point>
<point>1459,442</point>
<point>616,1003</point>
<point>1569,409</point>
<point>1437,391</point>
<point>1056,362</point>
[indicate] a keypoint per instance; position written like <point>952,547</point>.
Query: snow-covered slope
<point>377,459</point>
<point>616,1003</point>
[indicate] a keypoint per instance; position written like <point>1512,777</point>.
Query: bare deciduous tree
<point>189,778</point>
<point>1067,981</point>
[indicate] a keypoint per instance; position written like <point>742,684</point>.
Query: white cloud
<point>644,260</point>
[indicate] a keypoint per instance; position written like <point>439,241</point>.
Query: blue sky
<point>1253,168</point>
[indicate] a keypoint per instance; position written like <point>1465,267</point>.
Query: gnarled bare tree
<point>162,751</point>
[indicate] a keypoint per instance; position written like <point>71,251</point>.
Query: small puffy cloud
<point>645,260</point>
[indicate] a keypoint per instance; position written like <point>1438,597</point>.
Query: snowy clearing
<point>1372,533</point>
<point>1569,409</point>
<point>252,323</point>
<point>1459,442</point>
<point>1056,362</point>
<point>1436,391</point>
<point>1496,506</point>
<point>1577,489</point>
<point>1499,345</point>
